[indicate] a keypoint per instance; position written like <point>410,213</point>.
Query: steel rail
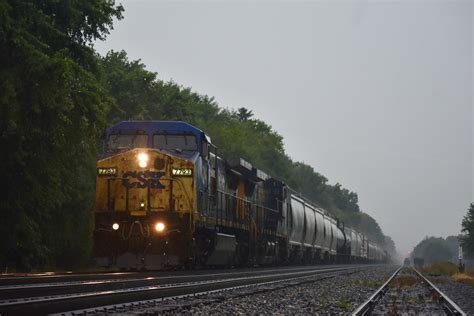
<point>147,279</point>
<point>145,303</point>
<point>56,303</point>
<point>9,302</point>
<point>448,305</point>
<point>16,291</point>
<point>54,275</point>
<point>369,305</point>
<point>83,277</point>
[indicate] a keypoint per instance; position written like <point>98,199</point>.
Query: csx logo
<point>144,179</point>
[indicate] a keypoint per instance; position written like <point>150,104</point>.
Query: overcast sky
<point>374,95</point>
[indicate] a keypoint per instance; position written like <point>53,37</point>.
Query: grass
<point>407,270</point>
<point>323,299</point>
<point>445,268</point>
<point>463,278</point>
<point>404,281</point>
<point>343,303</point>
<point>368,283</point>
<point>450,269</point>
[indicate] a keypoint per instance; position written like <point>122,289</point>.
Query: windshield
<point>172,142</point>
<point>118,142</point>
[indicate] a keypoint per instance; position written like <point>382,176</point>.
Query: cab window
<point>172,142</point>
<point>117,142</point>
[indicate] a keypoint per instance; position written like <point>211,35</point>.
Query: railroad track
<point>396,287</point>
<point>65,295</point>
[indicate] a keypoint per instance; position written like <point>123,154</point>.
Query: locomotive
<point>164,199</point>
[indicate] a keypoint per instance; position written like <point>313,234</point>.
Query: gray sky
<point>374,95</point>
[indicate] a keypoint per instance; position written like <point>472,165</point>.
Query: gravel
<point>328,296</point>
<point>408,295</point>
<point>462,294</point>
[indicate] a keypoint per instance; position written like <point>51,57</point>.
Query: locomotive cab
<point>146,193</point>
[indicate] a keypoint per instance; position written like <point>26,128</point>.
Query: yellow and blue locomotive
<point>164,198</point>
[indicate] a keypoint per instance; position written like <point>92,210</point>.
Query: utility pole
<point>461,264</point>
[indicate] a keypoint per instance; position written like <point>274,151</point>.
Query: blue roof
<point>154,127</point>
<point>157,127</point>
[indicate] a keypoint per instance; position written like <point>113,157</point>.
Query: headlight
<point>115,226</point>
<point>160,227</point>
<point>142,160</point>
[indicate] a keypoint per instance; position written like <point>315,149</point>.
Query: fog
<point>374,95</point>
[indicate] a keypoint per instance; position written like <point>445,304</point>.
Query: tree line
<point>57,97</point>
<point>467,236</point>
<point>438,249</point>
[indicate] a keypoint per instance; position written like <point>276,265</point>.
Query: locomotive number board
<point>108,171</point>
<point>185,172</point>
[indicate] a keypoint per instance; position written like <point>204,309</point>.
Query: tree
<point>52,110</point>
<point>368,225</point>
<point>131,86</point>
<point>467,239</point>
<point>310,183</point>
<point>453,243</point>
<point>243,114</point>
<point>432,250</point>
<point>389,245</point>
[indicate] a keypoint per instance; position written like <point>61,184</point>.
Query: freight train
<point>165,198</point>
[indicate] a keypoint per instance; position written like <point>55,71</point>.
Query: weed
<point>464,278</point>
<point>404,281</point>
<point>343,303</point>
<point>323,299</point>
<point>415,300</point>
<point>407,270</point>
<point>368,283</point>
<point>446,268</point>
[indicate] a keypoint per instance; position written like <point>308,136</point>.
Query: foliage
<point>132,87</point>
<point>389,245</point>
<point>467,240</point>
<point>432,250</point>
<point>243,114</point>
<point>52,110</point>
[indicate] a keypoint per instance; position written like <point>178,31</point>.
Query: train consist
<point>164,198</point>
